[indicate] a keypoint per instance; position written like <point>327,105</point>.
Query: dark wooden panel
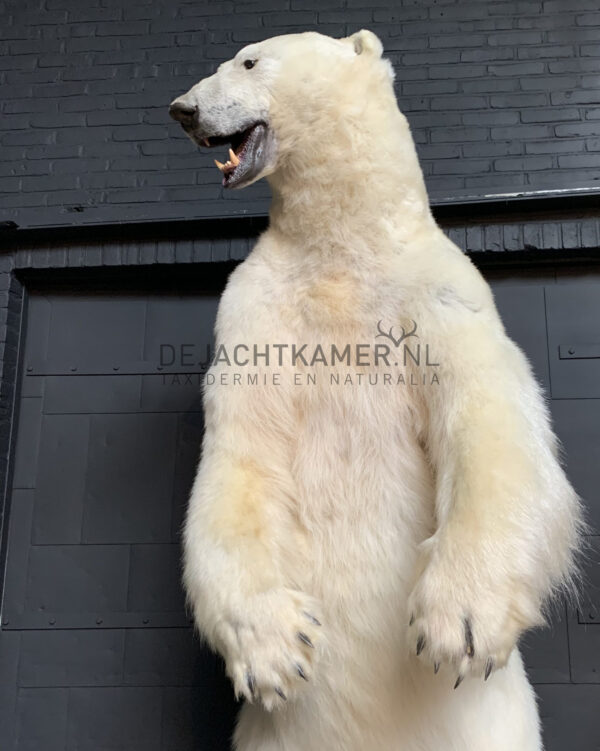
<point>570,717</point>
<point>114,719</point>
<point>77,578</point>
<point>546,650</point>
<point>172,392</point>
<point>10,651</point>
<point>26,455</point>
<point>577,423</point>
<point>17,567</point>
<point>71,658</point>
<point>165,657</point>
<point>95,329</point>
<point>523,313</point>
<point>198,719</point>
<point>155,576</point>
<point>42,719</point>
<point>106,463</point>
<point>129,478</point>
<point>60,481</point>
<point>183,336</point>
<point>573,312</point>
<point>97,394</point>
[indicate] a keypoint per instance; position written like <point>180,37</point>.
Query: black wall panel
<point>105,653</point>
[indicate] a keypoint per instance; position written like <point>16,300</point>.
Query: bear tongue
<point>230,165</point>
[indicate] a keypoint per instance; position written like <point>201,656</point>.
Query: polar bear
<point>379,511</point>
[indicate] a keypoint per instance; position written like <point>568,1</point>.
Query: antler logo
<point>390,334</point>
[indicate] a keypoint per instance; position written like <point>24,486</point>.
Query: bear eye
<point>249,64</point>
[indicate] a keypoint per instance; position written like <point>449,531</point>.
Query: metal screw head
<point>146,621</point>
<point>571,351</point>
<point>98,621</point>
<point>52,621</point>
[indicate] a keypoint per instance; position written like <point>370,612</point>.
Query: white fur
<point>362,505</point>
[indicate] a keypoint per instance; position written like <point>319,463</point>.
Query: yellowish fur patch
<point>333,300</point>
<point>240,514</point>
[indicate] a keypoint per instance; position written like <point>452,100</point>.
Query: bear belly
<point>364,505</point>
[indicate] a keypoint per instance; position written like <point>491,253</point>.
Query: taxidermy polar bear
<point>356,548</point>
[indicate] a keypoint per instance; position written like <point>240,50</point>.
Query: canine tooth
<point>206,142</point>
<point>233,157</point>
<point>220,165</point>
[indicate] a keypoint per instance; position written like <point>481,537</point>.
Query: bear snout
<point>183,112</point>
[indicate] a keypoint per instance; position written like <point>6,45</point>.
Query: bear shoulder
<point>444,279</point>
<point>246,305</point>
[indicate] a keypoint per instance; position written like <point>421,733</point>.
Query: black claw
<point>280,693</point>
<point>489,666</point>
<point>420,644</point>
<point>412,619</point>
<point>312,619</point>
<point>251,682</point>
<point>469,638</point>
<point>436,667</point>
<point>301,672</point>
<point>304,638</point>
<point>459,680</point>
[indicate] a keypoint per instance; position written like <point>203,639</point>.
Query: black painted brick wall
<point>502,97</point>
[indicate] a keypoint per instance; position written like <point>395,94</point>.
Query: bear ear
<point>365,41</point>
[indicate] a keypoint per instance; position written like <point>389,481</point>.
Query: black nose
<point>183,113</point>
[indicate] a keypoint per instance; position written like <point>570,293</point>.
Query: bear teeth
<point>227,167</point>
<point>230,164</point>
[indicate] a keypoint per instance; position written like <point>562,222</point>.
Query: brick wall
<point>502,96</point>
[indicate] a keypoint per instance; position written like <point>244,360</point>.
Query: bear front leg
<point>239,527</point>
<point>507,518</point>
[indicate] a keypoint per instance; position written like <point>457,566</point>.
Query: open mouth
<point>247,154</point>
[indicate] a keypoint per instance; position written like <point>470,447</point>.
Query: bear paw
<point>470,623</point>
<point>271,649</point>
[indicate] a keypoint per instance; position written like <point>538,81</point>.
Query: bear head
<point>290,102</point>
